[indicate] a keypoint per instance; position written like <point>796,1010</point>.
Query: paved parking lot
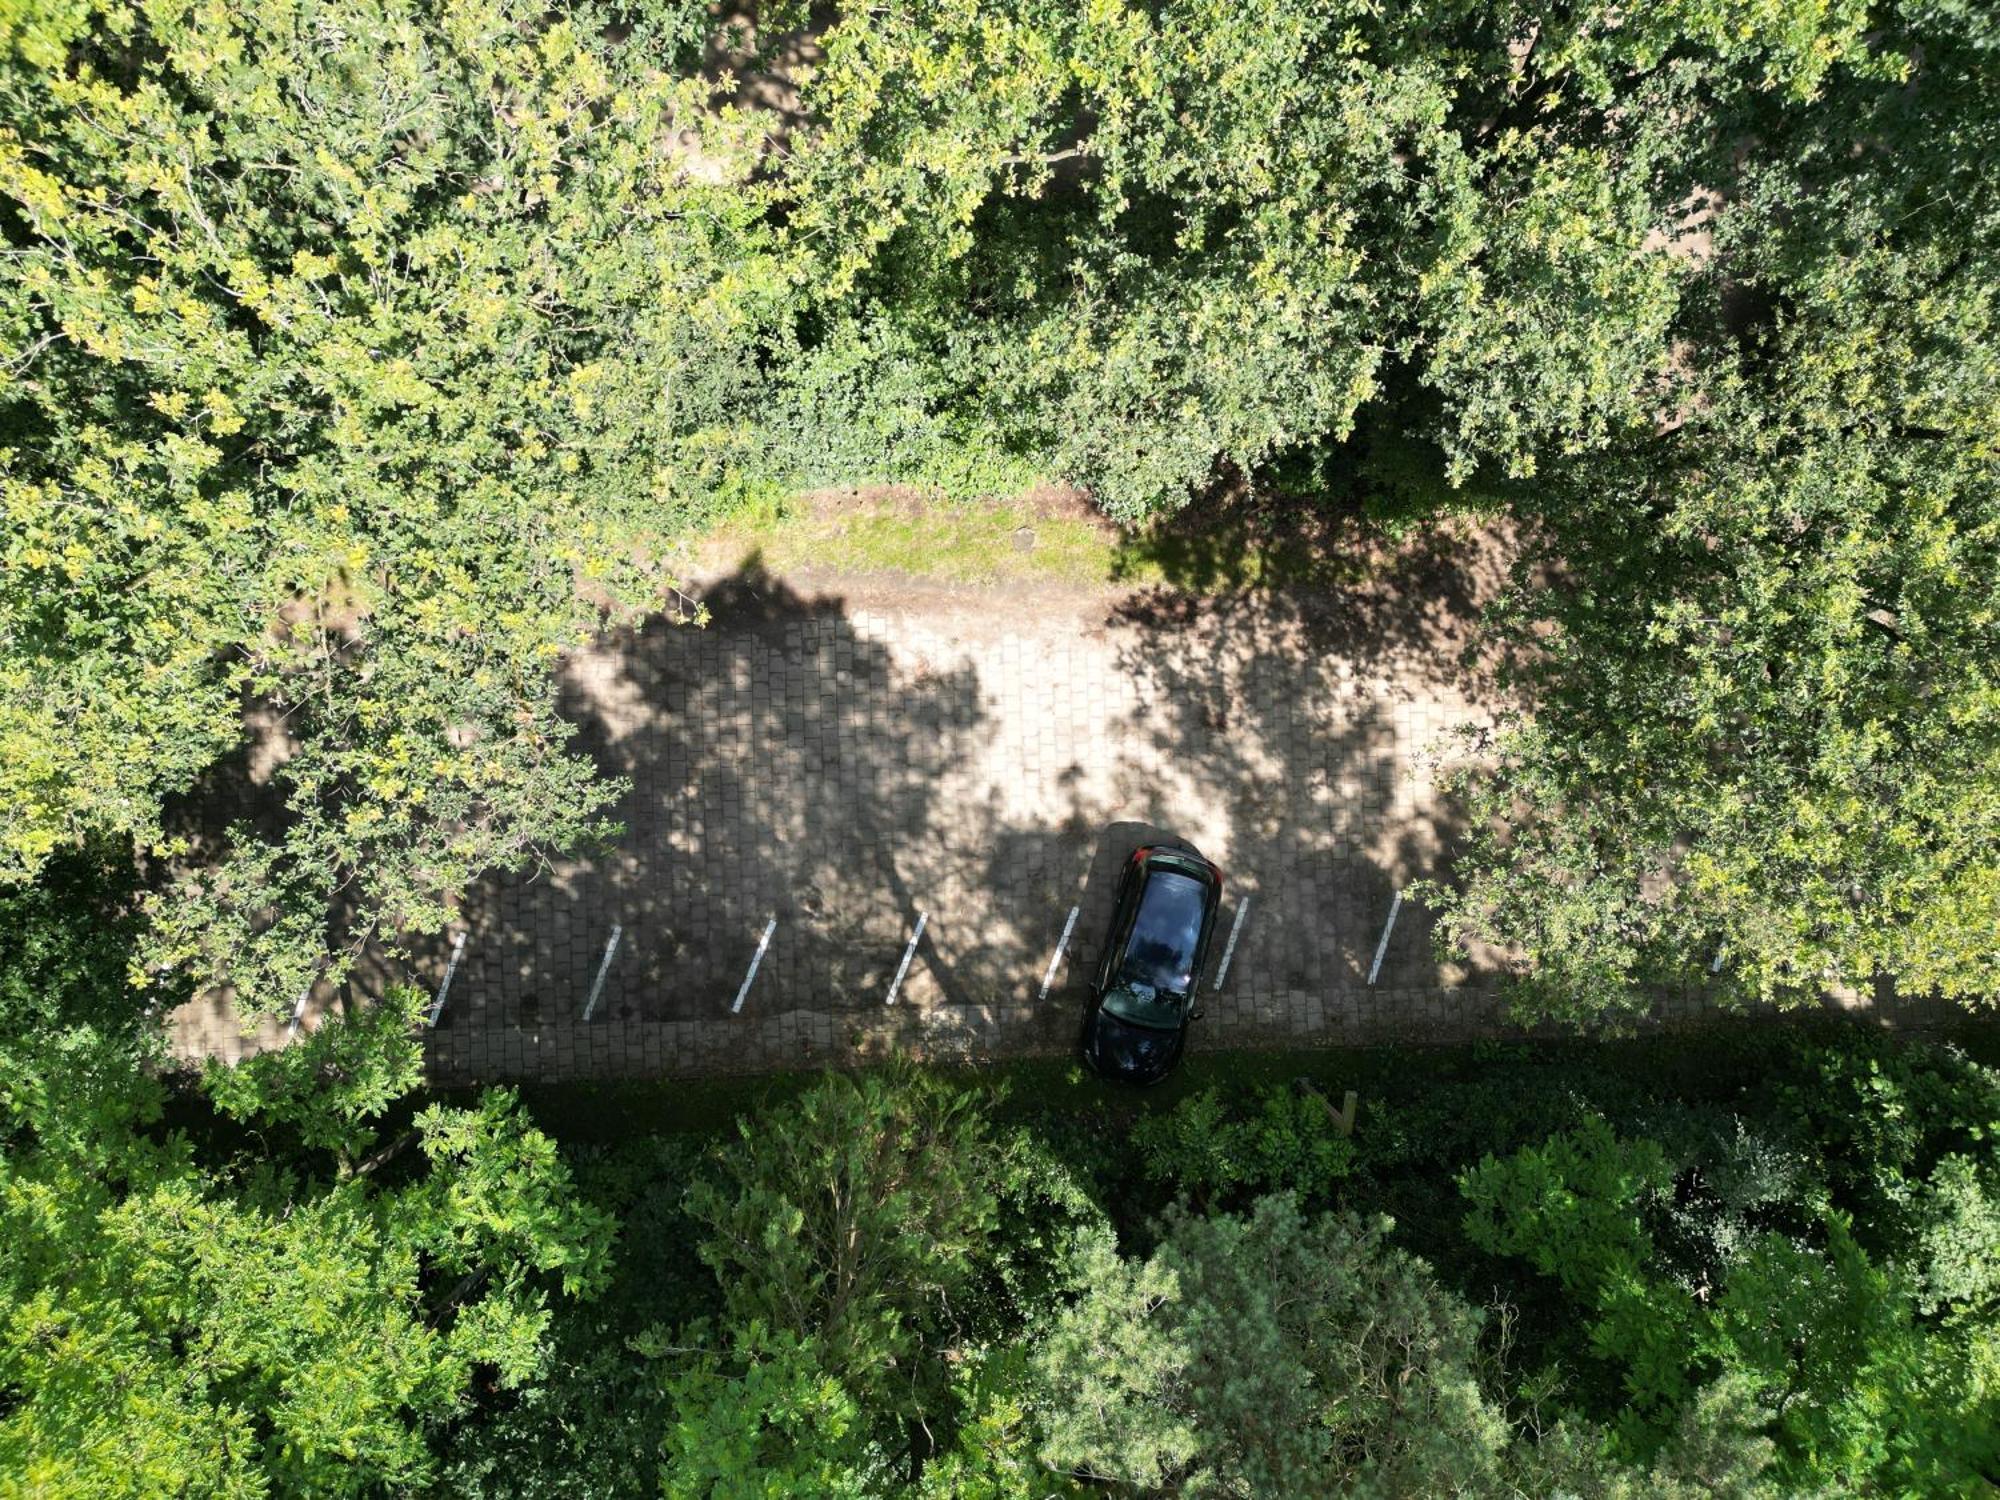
<point>832,760</point>
<point>841,757</point>
<point>844,767</point>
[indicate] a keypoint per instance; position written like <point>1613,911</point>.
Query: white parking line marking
<point>1056,958</point>
<point>298,1013</point>
<point>1235,931</point>
<point>755,959</point>
<point>1387,928</point>
<point>437,1006</point>
<point>603,968</point>
<point>908,953</point>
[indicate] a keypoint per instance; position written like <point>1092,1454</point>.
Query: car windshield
<point>1142,1005</point>
<point>1160,954</point>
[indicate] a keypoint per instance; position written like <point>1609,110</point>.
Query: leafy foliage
<point>775,1423</point>
<point>853,1218</point>
<point>358,361</point>
<point>1270,1354</point>
<point>1958,1244</point>
<point>360,401</point>
<point>1763,722</point>
<point>1571,1209</point>
<point>1863,1395</point>
<point>1751,1270</point>
<point>74,1039</point>
<point>597,1414</point>
<point>330,1084</point>
<point>171,1324</point>
<point>869,1294</point>
<point>1286,1139</point>
<point>1195,233</point>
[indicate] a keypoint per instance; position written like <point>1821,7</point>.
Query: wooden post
<point>1343,1118</point>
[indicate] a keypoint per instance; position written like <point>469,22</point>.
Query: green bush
<point>1267,1140</point>
<point>871,404</point>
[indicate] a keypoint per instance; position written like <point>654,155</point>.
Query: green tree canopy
<point>1269,1354</point>
<point>354,361</point>
<point>170,1324</point>
<point>1200,233</point>
<point>853,1218</point>
<point>1858,1391</point>
<point>1758,651</point>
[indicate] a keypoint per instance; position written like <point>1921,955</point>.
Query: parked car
<point>1142,997</point>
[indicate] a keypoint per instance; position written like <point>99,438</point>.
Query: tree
<point>1802,1336</point>
<point>1197,235</point>
<point>76,1044</point>
<point>1269,1354</point>
<point>358,361</point>
<point>172,1325</point>
<point>1289,1143</point>
<point>332,1084</point>
<point>1783,762</point>
<point>773,1421</point>
<point>870,1293</point>
<point>1865,1397</point>
<point>1571,1208</point>
<point>1761,725</point>
<point>1958,1244</point>
<point>854,1218</point>
<point>1718,1450</point>
<point>770,1419</point>
<point>333,413</point>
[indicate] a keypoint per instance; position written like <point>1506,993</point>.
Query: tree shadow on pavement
<point>1299,734</point>
<point>843,764</point>
<point>781,762</point>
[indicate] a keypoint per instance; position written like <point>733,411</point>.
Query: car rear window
<point>1164,934</point>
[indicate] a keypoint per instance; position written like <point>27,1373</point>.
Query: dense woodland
<point>1763,1263</point>
<point>359,359</point>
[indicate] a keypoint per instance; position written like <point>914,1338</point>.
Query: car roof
<point>1166,928</point>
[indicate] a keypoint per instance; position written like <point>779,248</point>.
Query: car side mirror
<point>1196,1015</point>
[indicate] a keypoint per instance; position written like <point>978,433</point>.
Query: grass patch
<point>1205,549</point>
<point>983,542</point>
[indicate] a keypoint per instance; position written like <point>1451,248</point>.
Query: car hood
<point>1136,1052</point>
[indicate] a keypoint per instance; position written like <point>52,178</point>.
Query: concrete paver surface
<point>844,755</point>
